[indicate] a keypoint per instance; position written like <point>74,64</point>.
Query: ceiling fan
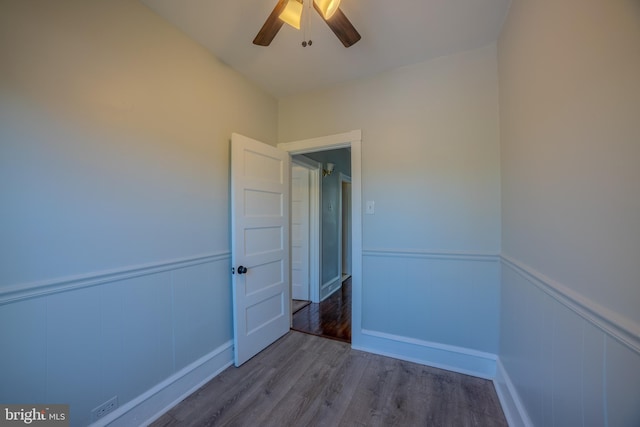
<point>290,11</point>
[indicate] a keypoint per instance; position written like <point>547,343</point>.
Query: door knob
<point>242,270</point>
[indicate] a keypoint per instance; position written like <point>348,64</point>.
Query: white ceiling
<point>394,33</point>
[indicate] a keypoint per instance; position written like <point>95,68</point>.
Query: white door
<point>299,232</point>
<point>259,245</point>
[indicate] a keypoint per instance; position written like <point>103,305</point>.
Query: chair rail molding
<point>14,293</point>
<point>613,324</point>
<point>432,254</point>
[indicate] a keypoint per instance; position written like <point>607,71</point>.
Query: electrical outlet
<point>102,410</point>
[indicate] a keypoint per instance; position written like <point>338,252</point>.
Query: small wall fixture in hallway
<point>329,170</point>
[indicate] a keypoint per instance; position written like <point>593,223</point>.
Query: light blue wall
<point>570,318</point>
<point>431,164</point>
<point>114,226</point>
<point>445,294</point>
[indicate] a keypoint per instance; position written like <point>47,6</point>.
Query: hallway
<point>330,318</point>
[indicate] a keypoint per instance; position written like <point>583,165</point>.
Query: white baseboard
<point>152,404</point>
<point>328,288</point>
<point>512,406</point>
<point>452,358</point>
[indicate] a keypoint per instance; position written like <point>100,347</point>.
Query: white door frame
<point>342,179</point>
<point>353,140</point>
<point>315,224</point>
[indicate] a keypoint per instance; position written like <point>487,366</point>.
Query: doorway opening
<point>321,307</point>
<point>340,247</point>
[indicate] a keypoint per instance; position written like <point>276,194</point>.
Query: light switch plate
<point>370,207</point>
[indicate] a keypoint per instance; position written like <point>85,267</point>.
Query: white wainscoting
<point>437,308</point>
<point>147,334</point>
<point>563,359</point>
<point>152,404</point>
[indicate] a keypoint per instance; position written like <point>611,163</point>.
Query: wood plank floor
<point>304,380</point>
<point>330,318</point>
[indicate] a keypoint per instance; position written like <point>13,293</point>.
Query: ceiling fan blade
<point>341,27</point>
<point>271,26</point>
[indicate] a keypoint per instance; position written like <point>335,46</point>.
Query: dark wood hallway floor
<point>330,318</point>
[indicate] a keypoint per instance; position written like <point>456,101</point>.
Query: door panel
<point>259,243</point>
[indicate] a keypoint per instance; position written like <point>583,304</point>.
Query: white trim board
<point>452,358</point>
<point>16,293</point>
<point>324,143</point>
<point>432,254</point>
<point>514,410</point>
<point>342,178</point>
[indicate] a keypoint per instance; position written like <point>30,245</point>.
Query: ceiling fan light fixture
<point>292,13</point>
<point>327,7</point>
